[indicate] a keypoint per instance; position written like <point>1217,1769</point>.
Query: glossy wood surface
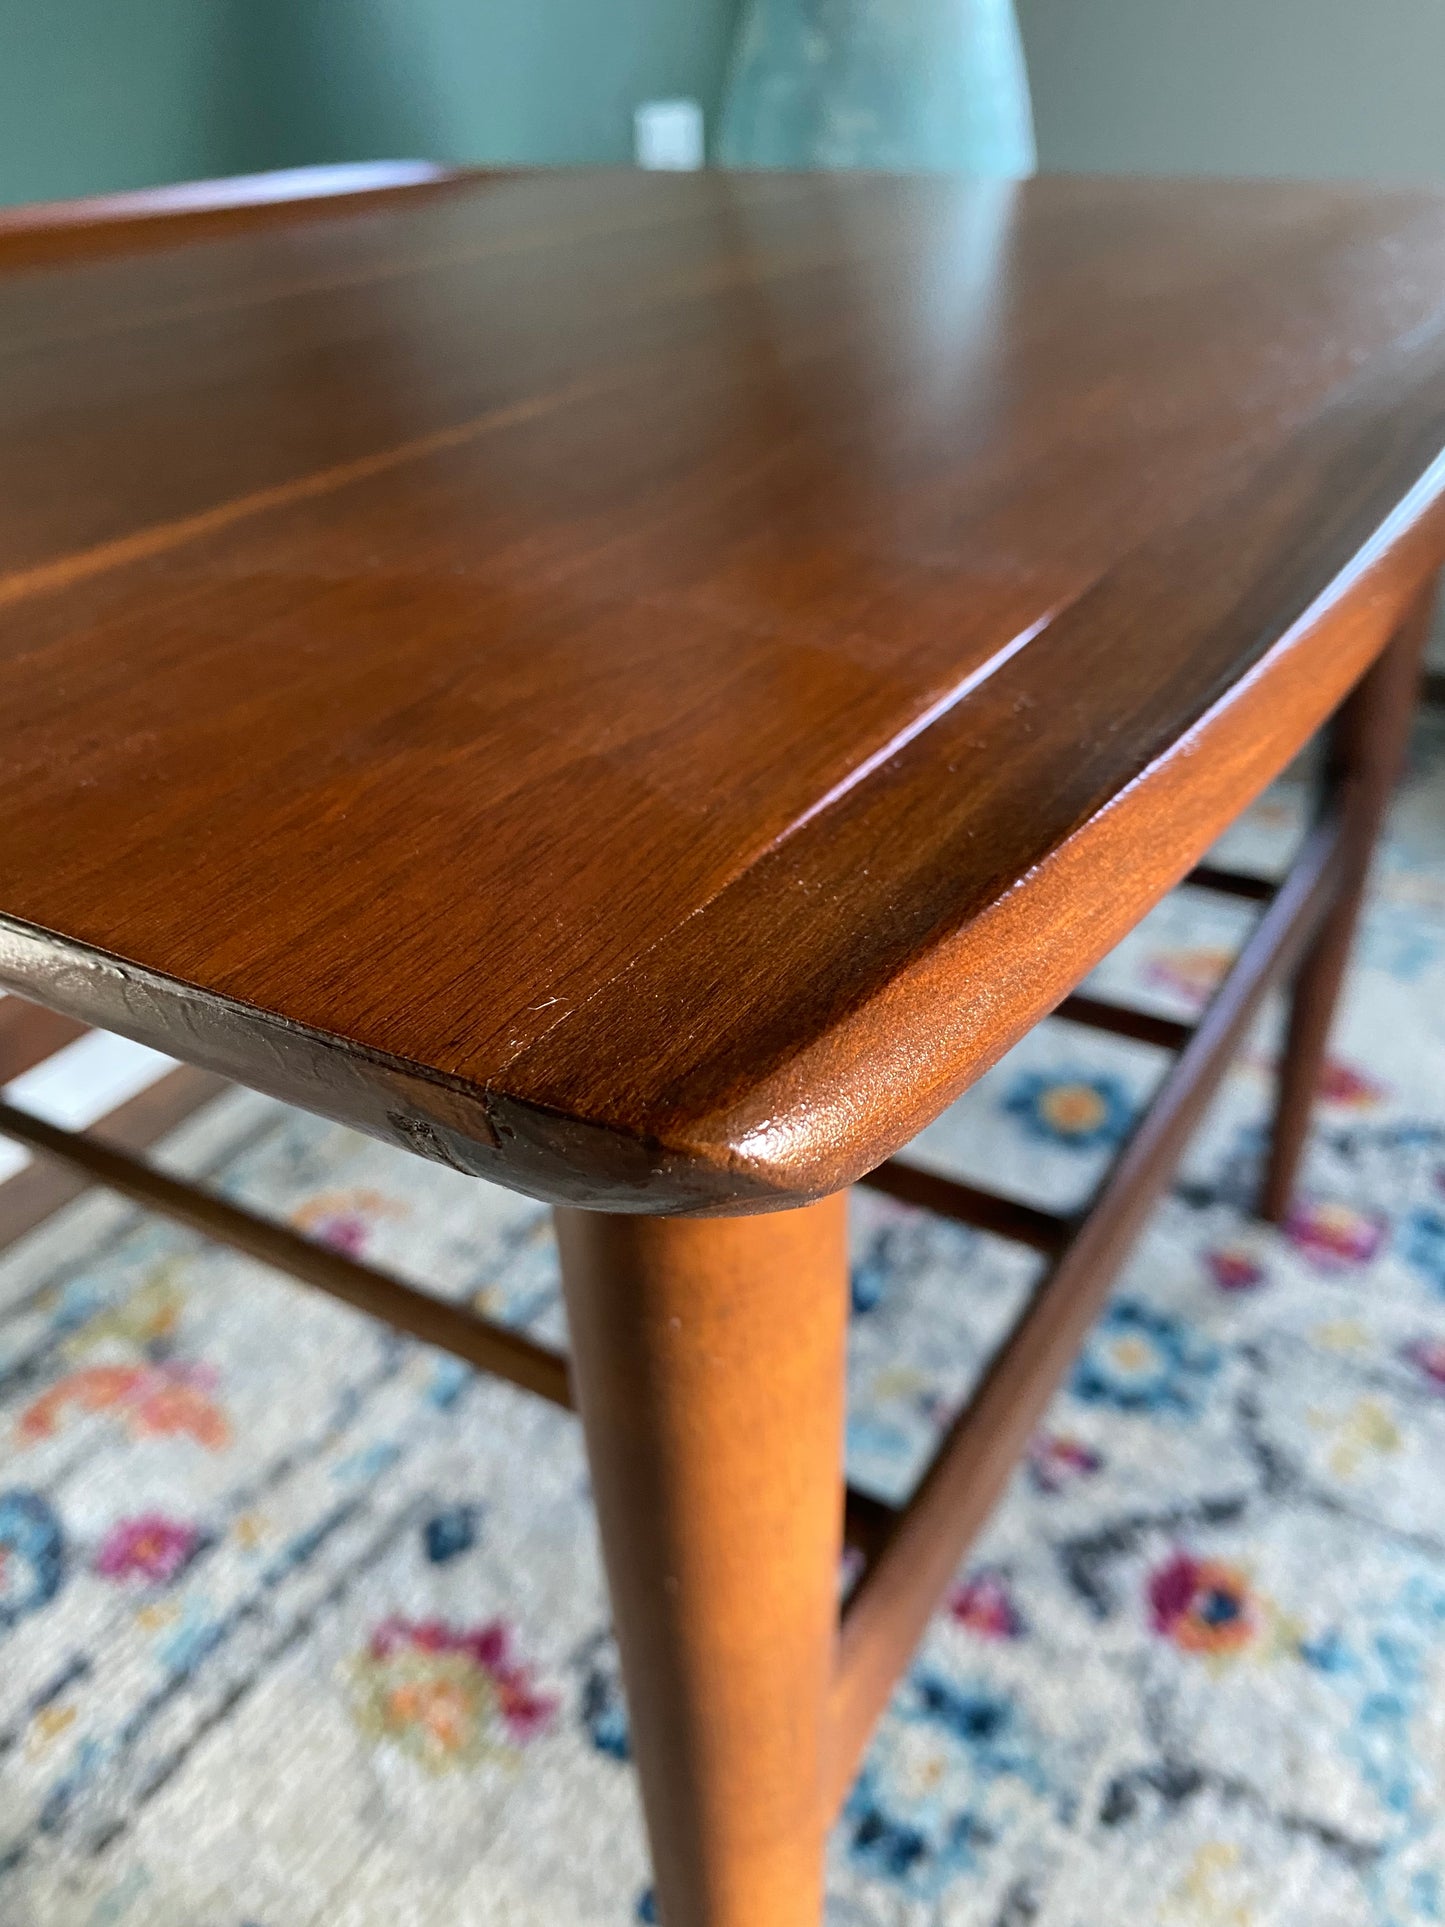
<point>708,1361</point>
<point>643,686</point>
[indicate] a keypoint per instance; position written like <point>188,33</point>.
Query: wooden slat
<point>45,1187</point>
<point>1144,1026</point>
<point>890,1607</point>
<point>488,1346</point>
<point>1232,883</point>
<point>951,1198</point>
<point>1365,753</point>
<point>867,1521</point>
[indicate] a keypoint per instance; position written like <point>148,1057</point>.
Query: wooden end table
<point>641,688</point>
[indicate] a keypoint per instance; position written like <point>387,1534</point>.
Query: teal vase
<point>905,85</point>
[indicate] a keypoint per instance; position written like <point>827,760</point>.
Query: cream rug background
<point>301,1623</point>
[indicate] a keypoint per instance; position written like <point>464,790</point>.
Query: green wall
<point>103,94</point>
<point>480,80</point>
<point>98,94</point>
<point>1293,87</point>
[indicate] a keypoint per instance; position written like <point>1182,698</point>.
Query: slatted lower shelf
<point>907,1553</point>
<point>911,1552</point>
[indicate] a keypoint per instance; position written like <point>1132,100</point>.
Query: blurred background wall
<point>104,94</point>
<point>1302,87</point>
<point>506,80</point>
<point>98,94</point>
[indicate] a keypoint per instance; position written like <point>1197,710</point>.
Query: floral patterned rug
<point>302,1623</point>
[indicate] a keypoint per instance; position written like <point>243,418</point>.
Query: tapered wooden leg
<point>708,1359</point>
<point>1366,751</point>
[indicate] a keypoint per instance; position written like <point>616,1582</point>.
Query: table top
<point>642,686</point>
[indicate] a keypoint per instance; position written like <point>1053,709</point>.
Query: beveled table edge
<point>858,1093</point>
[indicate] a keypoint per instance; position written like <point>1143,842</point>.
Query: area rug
<point>302,1624</point>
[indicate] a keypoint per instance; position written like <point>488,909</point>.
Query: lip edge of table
<point>1257,726</point>
<point>47,236</point>
<point>786,1136</point>
<point>712,1166</point>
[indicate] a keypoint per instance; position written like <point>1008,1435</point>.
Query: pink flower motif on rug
<point>1427,1355</point>
<point>1234,1269</point>
<point>345,1220</point>
<point>152,1401</point>
<point>1334,1236</point>
<point>1349,1087</point>
<point>1057,1461</point>
<point>985,1606</point>
<point>1193,974</point>
<point>1203,1606</point>
<point>149,1547</point>
<point>447,1695</point>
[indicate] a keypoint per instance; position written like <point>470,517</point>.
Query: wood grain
<point>708,1364</point>
<point>642,687</point>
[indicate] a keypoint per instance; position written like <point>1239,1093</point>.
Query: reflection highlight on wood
<point>673,676</point>
<point>643,689</point>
